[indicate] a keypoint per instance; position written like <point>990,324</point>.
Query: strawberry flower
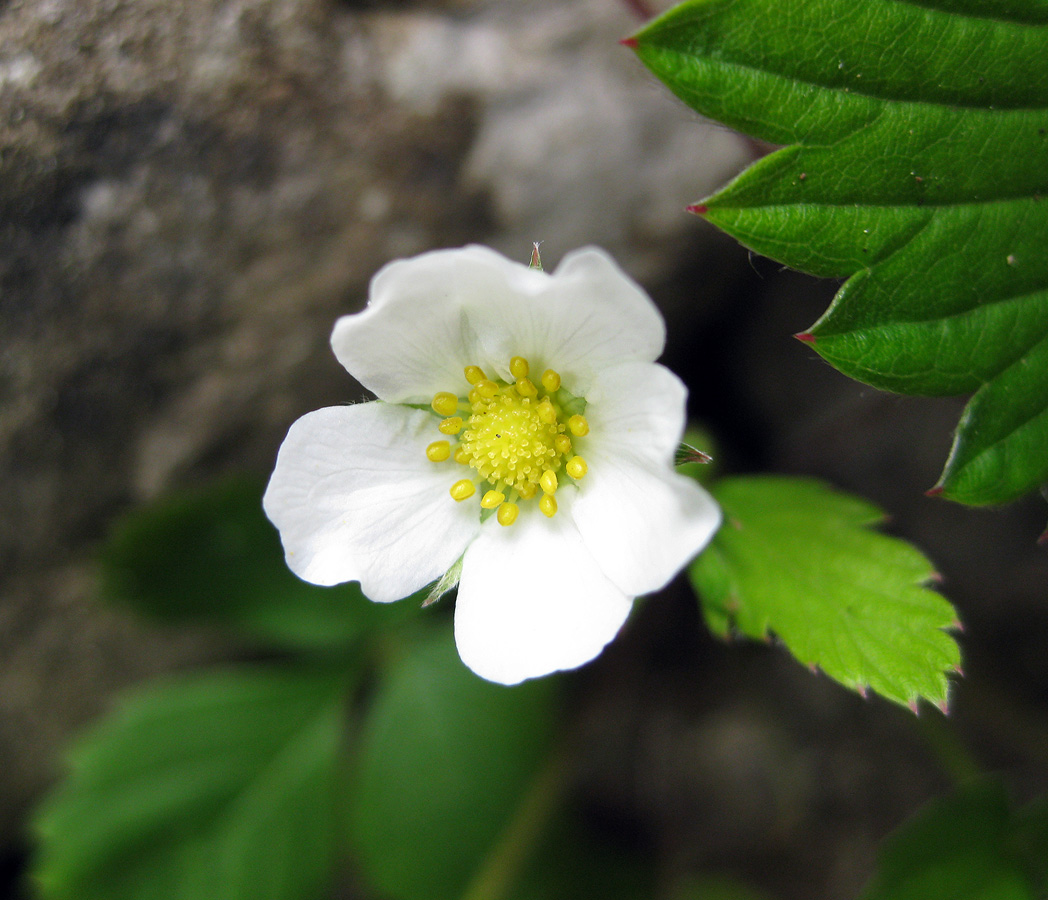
<point>523,439</point>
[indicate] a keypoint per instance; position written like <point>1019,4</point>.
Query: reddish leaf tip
<point>805,337</point>
<point>934,492</point>
<point>957,625</point>
<point>630,42</point>
<point>959,670</point>
<point>1043,539</point>
<point>944,707</point>
<point>864,691</point>
<point>913,707</point>
<point>698,208</point>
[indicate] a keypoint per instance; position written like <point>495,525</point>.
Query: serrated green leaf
<point>960,846</point>
<point>211,555</point>
<point>445,762</point>
<point>215,787</point>
<point>798,559</point>
<point>918,169</point>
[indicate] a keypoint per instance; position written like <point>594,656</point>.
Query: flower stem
<point>503,864</point>
<point>943,742</point>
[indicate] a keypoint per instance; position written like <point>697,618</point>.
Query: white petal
<point>590,315</point>
<point>642,524</point>
<point>637,408</point>
<point>430,316</point>
<point>640,520</point>
<point>418,332</point>
<point>356,499</point>
<point>532,600</point>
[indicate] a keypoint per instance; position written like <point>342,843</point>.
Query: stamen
<point>475,374</point>
<point>514,437</point>
<point>518,367</point>
<point>526,388</point>
<point>492,499</point>
<point>445,403</point>
<point>462,490</point>
<point>438,451</point>
<point>576,467</point>
<point>507,513</point>
<point>548,481</point>
<point>578,426</point>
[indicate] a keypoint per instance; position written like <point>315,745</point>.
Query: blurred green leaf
<point>797,558</point>
<point>211,555</point>
<point>1030,842</point>
<point>452,780</point>
<point>963,846</point>
<point>715,888</point>
<point>917,167</point>
<point>215,787</point>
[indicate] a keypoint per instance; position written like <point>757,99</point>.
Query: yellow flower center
<point>515,436</point>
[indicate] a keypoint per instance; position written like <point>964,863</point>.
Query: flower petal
<point>532,600</point>
<point>418,332</point>
<point>639,408</point>
<point>640,520</point>
<point>356,499</point>
<point>430,316</point>
<point>590,315</point>
<point>642,525</point>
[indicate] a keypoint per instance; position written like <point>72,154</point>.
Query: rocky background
<point>192,192</point>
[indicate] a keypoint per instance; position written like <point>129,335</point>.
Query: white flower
<point>522,427</point>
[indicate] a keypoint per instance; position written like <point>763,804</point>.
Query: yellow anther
<point>576,467</point>
<point>475,374</point>
<point>526,388</point>
<point>462,490</point>
<point>445,403</point>
<point>548,505</point>
<point>492,499</point>
<point>438,451</point>
<point>516,438</point>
